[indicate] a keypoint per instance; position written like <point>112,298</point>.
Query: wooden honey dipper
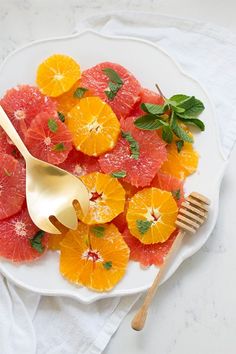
<point>192,214</point>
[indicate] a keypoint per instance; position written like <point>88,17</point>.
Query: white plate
<point>149,64</point>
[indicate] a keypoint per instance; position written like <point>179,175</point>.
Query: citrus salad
<point>131,147</point>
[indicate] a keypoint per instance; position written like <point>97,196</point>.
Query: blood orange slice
<point>146,96</point>
<point>49,139</point>
<point>148,255</point>
<point>139,153</point>
<point>97,81</point>
<point>107,198</point>
<point>12,186</point>
<point>23,103</point>
<point>94,256</point>
<point>80,164</point>
<point>151,215</point>
<point>20,239</point>
<point>171,184</point>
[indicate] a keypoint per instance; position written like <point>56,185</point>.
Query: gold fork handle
<point>139,319</point>
<point>8,127</point>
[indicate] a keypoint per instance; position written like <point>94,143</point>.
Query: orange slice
<point>180,164</point>
<point>54,241</point>
<point>94,126</point>
<point>94,256</point>
<point>69,99</point>
<point>57,74</point>
<point>107,198</point>
<point>151,215</point>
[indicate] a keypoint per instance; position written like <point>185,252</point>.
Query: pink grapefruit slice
<point>22,103</point>
<point>96,80</point>
<point>139,153</point>
<point>146,96</point>
<point>148,255</point>
<point>20,239</point>
<point>12,186</point>
<point>80,164</point>
<point>49,139</point>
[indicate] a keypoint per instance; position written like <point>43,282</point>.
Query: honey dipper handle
<point>9,129</point>
<point>139,319</point>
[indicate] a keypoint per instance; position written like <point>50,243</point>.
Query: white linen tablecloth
<point>30,323</point>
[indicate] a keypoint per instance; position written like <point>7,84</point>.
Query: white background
<point>195,311</point>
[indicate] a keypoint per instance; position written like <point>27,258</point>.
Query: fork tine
<point>68,217</point>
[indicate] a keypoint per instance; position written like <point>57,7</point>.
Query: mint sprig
<point>52,125</point>
<point>61,117</point>
<point>114,85</point>
<point>107,265</point>
<point>98,231</point>
<point>178,108</point>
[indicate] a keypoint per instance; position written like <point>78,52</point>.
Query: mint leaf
<point>193,108</point>
<point>98,231</point>
<point>134,145</point>
<point>180,132</point>
<point>118,174</point>
<point>179,144</point>
<point>176,99</point>
<point>52,125</point>
<point>143,226</point>
<point>113,76</point>
<point>149,122</point>
<point>194,121</point>
<point>79,92</point>
<point>61,117</point>
<point>114,84</point>
<point>107,265</point>
<point>59,147</point>
<point>36,241</point>
<point>176,194</point>
<point>7,173</point>
<point>167,134</point>
<point>151,108</point>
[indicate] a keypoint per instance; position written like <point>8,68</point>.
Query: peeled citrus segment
<point>171,184</point>
<point>107,198</point>
<point>140,168</point>
<point>48,139</point>
<point>12,186</point>
<point>94,256</point>
<point>180,164</point>
<point>151,215</point>
<point>146,96</point>
<point>80,164</point>
<point>147,255</point>
<point>94,126</point>
<point>54,241</point>
<point>57,74</point>
<point>69,99</point>
<point>20,239</point>
<point>22,103</point>
<point>97,82</point>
